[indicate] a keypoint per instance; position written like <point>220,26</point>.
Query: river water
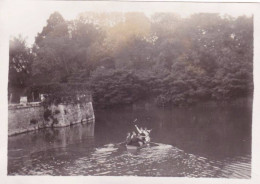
<point>198,141</point>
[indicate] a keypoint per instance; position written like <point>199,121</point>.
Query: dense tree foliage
<point>114,87</point>
<point>20,70</point>
<point>123,58</point>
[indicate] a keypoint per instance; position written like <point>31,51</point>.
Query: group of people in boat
<point>138,139</point>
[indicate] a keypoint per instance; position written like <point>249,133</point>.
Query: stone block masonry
<point>35,116</point>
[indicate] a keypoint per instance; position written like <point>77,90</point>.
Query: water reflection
<point>41,140</point>
<point>191,142</point>
<point>57,136</point>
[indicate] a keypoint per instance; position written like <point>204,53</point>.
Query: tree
<point>134,25</point>
<point>112,87</point>
<point>179,60</point>
<point>52,49</point>
<point>64,48</point>
<point>87,45</point>
<point>20,62</point>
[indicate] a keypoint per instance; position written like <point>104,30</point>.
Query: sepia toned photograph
<point>145,89</point>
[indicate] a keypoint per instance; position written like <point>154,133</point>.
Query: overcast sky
<point>28,17</point>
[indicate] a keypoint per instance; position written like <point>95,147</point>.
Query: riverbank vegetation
<point>123,58</point>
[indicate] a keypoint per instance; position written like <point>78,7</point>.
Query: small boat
<point>138,145</point>
<point>139,141</point>
<point>132,147</point>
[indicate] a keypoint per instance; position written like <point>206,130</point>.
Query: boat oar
<point>135,120</point>
<point>120,143</point>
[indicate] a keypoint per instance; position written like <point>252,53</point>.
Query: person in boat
<point>135,140</point>
<point>140,140</point>
<point>146,131</point>
<point>139,130</point>
<point>133,136</point>
<point>143,134</point>
<point>128,138</point>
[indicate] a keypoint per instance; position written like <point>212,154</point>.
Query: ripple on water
<point>238,167</point>
<point>161,160</point>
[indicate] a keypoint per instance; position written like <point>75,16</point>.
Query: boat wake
<point>154,160</point>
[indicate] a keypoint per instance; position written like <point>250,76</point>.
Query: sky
<point>29,17</point>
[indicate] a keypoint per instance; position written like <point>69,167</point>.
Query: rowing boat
<point>138,146</point>
<point>132,147</point>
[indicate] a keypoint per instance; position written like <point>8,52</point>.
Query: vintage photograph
<point>147,89</point>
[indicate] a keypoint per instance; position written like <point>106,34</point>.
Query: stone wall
<point>34,116</point>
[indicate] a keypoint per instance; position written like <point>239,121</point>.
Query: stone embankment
<point>33,116</point>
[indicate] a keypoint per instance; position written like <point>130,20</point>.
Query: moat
<point>199,141</point>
